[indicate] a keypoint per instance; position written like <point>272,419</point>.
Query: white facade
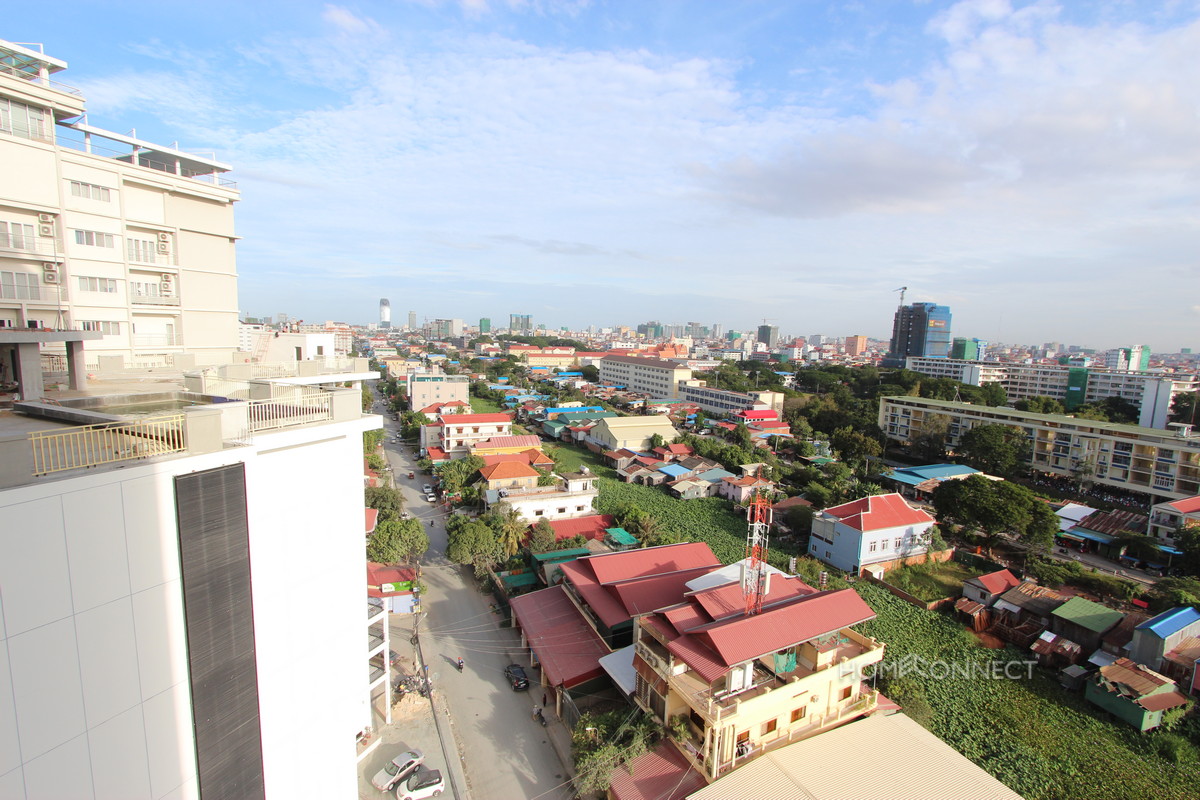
<point>426,388</point>
<point>95,688</point>
<point>652,376</point>
<point>574,497</point>
<point>101,231</point>
<point>849,549</point>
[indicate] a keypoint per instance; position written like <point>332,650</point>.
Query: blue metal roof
<point>674,470</point>
<point>915,475</point>
<point>714,475</point>
<point>1092,535</point>
<point>1170,622</point>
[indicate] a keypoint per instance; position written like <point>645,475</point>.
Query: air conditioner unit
<point>45,218</point>
<point>45,229</point>
<point>167,277</point>
<point>164,247</point>
<point>163,236</point>
<point>50,277</point>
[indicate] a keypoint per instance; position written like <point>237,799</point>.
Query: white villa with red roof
<point>1167,518</point>
<point>455,433</point>
<point>879,530</point>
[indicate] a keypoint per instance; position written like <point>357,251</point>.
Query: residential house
<point>633,433</point>
<point>572,495</point>
<point>1115,643</point>
<point>1084,622</point>
<point>688,488</point>
<point>533,457</point>
<point>500,445</point>
<point>1135,694</point>
<point>920,482</point>
<point>591,527</point>
<point>1103,531</point>
<point>1182,664</point>
<point>745,684</point>
<point>740,490</point>
<point>1023,612</point>
<point>568,628</point>
<point>620,459</point>
<point>881,530</point>
<point>509,475</point>
<point>1167,518</point>
<point>433,410</point>
<point>456,434</point>
<point>1155,638</point>
<point>985,589</point>
<point>672,452</point>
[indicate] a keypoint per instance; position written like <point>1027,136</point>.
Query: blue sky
<point>1033,165</point>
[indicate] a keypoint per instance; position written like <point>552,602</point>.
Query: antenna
<point>901,290</point>
<point>754,572</point>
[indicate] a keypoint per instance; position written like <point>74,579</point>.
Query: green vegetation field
<point>482,405</point>
<point>931,583</point>
<point>1039,739</point>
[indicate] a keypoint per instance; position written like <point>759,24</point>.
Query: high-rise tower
<point>920,329</point>
<point>385,313</point>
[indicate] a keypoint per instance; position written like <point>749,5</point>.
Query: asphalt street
<point>503,751</point>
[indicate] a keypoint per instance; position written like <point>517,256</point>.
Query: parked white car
<point>421,784</point>
<point>397,770</point>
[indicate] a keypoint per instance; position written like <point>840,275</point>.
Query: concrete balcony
<point>146,300</point>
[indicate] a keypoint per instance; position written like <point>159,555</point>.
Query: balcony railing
<point>21,246</point>
<point>147,300</point>
<point>35,77</point>
<point>157,340</point>
<point>300,409</point>
<point>107,443</point>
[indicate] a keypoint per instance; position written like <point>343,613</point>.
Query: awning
<point>567,646</point>
<point>1002,605</point>
<point>621,536</point>
<point>1066,535</point>
<point>1102,659</point>
<point>1095,537</point>
<point>619,666</point>
<point>1169,550</point>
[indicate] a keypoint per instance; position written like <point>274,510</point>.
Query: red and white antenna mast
<point>754,568</point>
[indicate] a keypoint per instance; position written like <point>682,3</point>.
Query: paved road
<point>504,753</point>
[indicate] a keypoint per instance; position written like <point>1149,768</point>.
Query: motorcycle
<point>459,664</point>
<point>411,475</point>
<point>540,717</point>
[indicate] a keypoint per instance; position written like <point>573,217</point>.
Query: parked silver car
<point>397,770</point>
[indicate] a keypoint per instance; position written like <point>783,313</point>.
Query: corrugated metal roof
<point>1170,622</point>
<point>878,512</point>
<point>661,774</point>
<point>1139,679</point>
<point>568,648</point>
<point>1086,614</point>
<point>996,582</point>
<point>878,757</point>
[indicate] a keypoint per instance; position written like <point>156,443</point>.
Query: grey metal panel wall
<point>215,558</point>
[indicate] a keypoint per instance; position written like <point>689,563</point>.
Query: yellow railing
<point>107,443</point>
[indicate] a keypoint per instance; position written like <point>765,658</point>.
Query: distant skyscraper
<point>716,331</point>
<point>856,345</point>
<point>521,324</point>
<point>769,335</point>
<point>412,320</point>
<point>921,329</point>
<point>485,325</point>
<point>1128,359</point>
<point>816,340</point>
<point>385,313</point>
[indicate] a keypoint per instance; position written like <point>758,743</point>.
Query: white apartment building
<point>726,401</point>
<point>1159,463</point>
<point>104,232</point>
<point>655,377</point>
<point>342,333</point>
<point>456,433</point>
<point>1151,392</point>
<point>183,599</point>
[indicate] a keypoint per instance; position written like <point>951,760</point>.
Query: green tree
<point>1040,404</point>
<point>387,501</point>
<point>995,449</point>
<point>591,373</point>
<point>657,441</point>
<point>397,540</point>
<point>457,473</point>
<point>854,446</point>
<point>512,529</point>
<point>1183,407</point>
<point>542,540</point>
<point>993,394</point>
<point>471,541</point>
<point>929,441</point>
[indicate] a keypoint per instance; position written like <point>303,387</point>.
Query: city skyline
<point>1023,164</point>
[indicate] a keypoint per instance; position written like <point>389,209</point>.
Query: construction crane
<point>901,290</point>
<point>754,568</point>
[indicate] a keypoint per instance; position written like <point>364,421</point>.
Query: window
<point>539,513</point>
<point>95,239</point>
<point>148,289</point>
<point>107,328</point>
<point>106,285</point>
<point>579,508</point>
<point>18,119</point>
<point>768,727</point>
<point>16,235</point>
<point>562,510</point>
<point>899,542</point>
<point>849,690</point>
<point>141,250</point>
<point>798,713</point>
<point>19,286</point>
<point>874,546</point>
<point>90,191</point>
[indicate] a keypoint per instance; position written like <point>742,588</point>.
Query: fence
<point>285,411</point>
<point>106,443</point>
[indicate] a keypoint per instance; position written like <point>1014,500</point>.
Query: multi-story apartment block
<point>727,401</point>
<point>516,485</point>
<point>743,684</point>
<point>1167,518</point>
<point>655,377</point>
<point>104,232</point>
<point>343,335</point>
<point>426,388</point>
<point>521,324</point>
<point>856,345</point>
<point>151,570</point>
<point>1151,392</point>
<point>1162,464</point>
<point>920,329</point>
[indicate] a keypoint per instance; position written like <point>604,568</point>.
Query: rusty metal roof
<point>1140,680</point>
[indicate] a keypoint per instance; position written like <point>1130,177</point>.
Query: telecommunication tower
<point>754,568</point>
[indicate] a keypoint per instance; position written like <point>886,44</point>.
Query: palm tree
<point>512,531</point>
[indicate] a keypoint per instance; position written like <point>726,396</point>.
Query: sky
<point>1035,166</point>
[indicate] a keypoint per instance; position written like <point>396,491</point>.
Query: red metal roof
<point>998,582</point>
<point>1187,505</point>
<point>508,469</point>
<point>727,599</point>
<point>568,648</point>
<point>878,512</point>
<point>643,595</point>
<point>661,774</point>
<point>613,567</point>
<point>372,517</point>
<point>379,574</point>
<point>436,454</point>
<point>474,419</point>
<point>590,527</point>
<point>766,414</point>
<point>509,441</point>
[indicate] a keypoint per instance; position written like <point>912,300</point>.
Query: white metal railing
<point>157,340</point>
<point>152,300</point>
<point>42,245</point>
<point>93,445</point>
<point>36,77</point>
<point>299,409</point>
<point>83,146</point>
